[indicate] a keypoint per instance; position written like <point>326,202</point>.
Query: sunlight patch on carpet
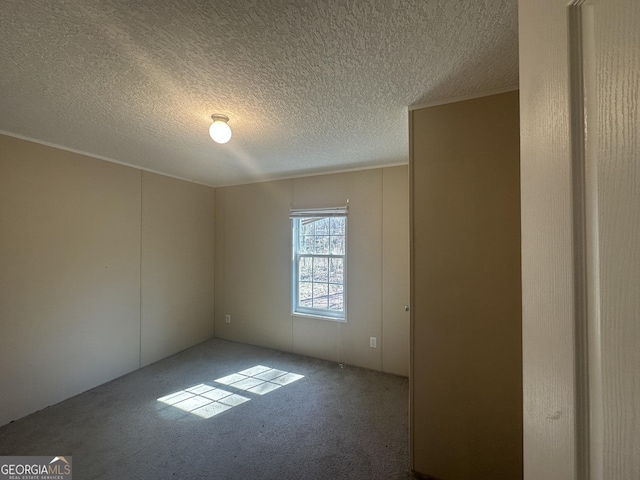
<point>207,401</point>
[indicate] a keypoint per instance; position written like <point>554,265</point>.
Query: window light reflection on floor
<point>207,401</point>
<point>259,379</point>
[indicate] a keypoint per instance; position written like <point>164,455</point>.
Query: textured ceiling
<point>309,85</point>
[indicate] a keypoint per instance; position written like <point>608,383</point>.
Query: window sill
<point>318,317</point>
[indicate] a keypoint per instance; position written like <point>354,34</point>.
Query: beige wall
<point>70,272</point>
<point>253,267</point>
<point>395,268</point>
<point>466,382</point>
<point>177,265</point>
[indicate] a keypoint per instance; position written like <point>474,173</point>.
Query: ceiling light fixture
<point>219,130</point>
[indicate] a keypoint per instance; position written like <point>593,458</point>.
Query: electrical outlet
<point>227,318</point>
<point>373,342</point>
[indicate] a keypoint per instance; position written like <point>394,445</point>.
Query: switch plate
<point>227,318</point>
<point>373,342</point>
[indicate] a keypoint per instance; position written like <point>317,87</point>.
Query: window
<point>319,262</point>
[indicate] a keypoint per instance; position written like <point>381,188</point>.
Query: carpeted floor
<point>290,417</point>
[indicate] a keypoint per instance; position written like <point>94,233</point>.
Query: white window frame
<point>322,313</point>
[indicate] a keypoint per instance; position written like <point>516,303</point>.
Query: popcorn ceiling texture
<point>309,85</point>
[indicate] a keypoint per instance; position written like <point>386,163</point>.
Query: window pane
<point>307,226</point>
<point>305,294</point>
<point>336,297</point>
<point>322,244</point>
<point>337,245</point>
<point>305,269</point>
<point>337,225</point>
<point>320,270</point>
<point>307,244</point>
<point>320,295</point>
<point>322,226</point>
<point>336,271</point>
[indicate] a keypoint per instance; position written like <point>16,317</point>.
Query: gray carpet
<point>333,423</point>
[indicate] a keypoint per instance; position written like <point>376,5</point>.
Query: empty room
<point>363,239</point>
<point>176,307</point>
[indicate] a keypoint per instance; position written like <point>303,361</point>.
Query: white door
<point>580,114</point>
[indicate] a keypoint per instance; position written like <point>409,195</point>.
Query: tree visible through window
<point>319,271</point>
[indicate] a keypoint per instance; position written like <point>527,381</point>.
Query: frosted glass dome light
<point>219,130</point>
